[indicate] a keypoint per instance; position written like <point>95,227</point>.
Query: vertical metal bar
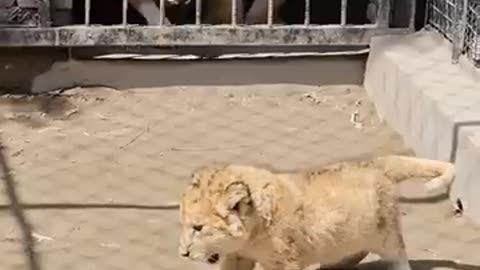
<point>427,12</point>
<point>44,13</point>
<point>198,12</point>
<point>343,16</point>
<point>52,13</point>
<point>270,13</point>
<point>413,14</point>
<point>124,12</point>
<point>383,18</point>
<point>10,189</point>
<point>87,12</point>
<point>307,12</point>
<point>162,12</point>
<point>460,21</point>
<point>234,12</point>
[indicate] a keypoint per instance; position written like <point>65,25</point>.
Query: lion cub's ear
<point>236,205</point>
<point>237,193</point>
<point>236,196</point>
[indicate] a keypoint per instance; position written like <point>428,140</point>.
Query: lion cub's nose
<point>185,253</point>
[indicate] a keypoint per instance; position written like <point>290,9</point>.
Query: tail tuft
<point>400,168</point>
<point>442,181</point>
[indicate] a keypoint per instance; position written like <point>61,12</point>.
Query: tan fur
<point>247,214</point>
<point>220,12</point>
<point>150,9</point>
<point>217,12</point>
<point>258,12</point>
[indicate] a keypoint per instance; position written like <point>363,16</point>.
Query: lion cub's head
<point>221,209</point>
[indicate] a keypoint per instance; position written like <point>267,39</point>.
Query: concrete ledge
<point>432,103</point>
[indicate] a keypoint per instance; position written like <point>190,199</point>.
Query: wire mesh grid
<point>472,31</point>
<point>89,177</point>
<point>445,16</point>
<point>441,15</point>
<point>95,172</point>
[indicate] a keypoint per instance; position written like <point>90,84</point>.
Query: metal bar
<point>198,12</point>
<point>124,12</point>
<point>383,18</point>
<point>162,12</point>
<point>270,13</point>
<point>307,12</point>
<point>75,36</point>
<point>428,12</point>
<point>87,12</point>
<point>53,9</point>
<point>413,14</point>
<point>234,12</point>
<point>44,13</point>
<point>343,16</point>
<point>17,210</point>
<point>461,10</point>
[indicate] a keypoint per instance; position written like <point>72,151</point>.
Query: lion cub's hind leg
<point>392,249</point>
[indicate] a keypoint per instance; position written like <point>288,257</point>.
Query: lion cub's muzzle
<point>212,259</point>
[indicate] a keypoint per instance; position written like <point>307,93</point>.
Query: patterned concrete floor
<point>92,168</point>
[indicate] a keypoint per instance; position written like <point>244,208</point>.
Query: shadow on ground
<point>422,265</point>
<point>42,69</point>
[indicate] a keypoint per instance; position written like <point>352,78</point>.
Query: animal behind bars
<point>215,11</point>
<point>256,11</point>
<point>220,11</point>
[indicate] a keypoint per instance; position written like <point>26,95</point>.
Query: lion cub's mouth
<point>213,259</point>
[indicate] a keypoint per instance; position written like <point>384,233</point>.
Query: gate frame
<point>200,34</point>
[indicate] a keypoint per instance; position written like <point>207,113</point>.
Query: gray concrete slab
<point>434,104</point>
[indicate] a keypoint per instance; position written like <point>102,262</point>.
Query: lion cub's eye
<point>197,228</point>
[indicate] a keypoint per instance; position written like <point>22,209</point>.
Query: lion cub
<point>241,215</point>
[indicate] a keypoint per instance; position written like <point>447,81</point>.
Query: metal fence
<point>198,33</point>
<point>459,21</point>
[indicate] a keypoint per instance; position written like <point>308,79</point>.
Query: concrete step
<point>432,103</point>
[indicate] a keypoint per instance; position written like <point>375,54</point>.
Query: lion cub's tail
<point>399,168</point>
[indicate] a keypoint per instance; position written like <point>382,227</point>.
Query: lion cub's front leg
<point>233,262</point>
<point>392,247</point>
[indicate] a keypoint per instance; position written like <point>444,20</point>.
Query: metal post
<point>124,12</point>
<point>234,13</point>
<point>44,13</point>
<point>270,12</point>
<point>87,12</point>
<point>198,12</point>
<point>343,16</point>
<point>383,18</point>
<point>428,12</point>
<point>162,12</point>
<point>413,14</point>
<point>307,12</point>
<point>460,20</point>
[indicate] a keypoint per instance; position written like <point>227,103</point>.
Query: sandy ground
<point>93,168</point>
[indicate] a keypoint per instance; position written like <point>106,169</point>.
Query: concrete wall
<point>41,70</point>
